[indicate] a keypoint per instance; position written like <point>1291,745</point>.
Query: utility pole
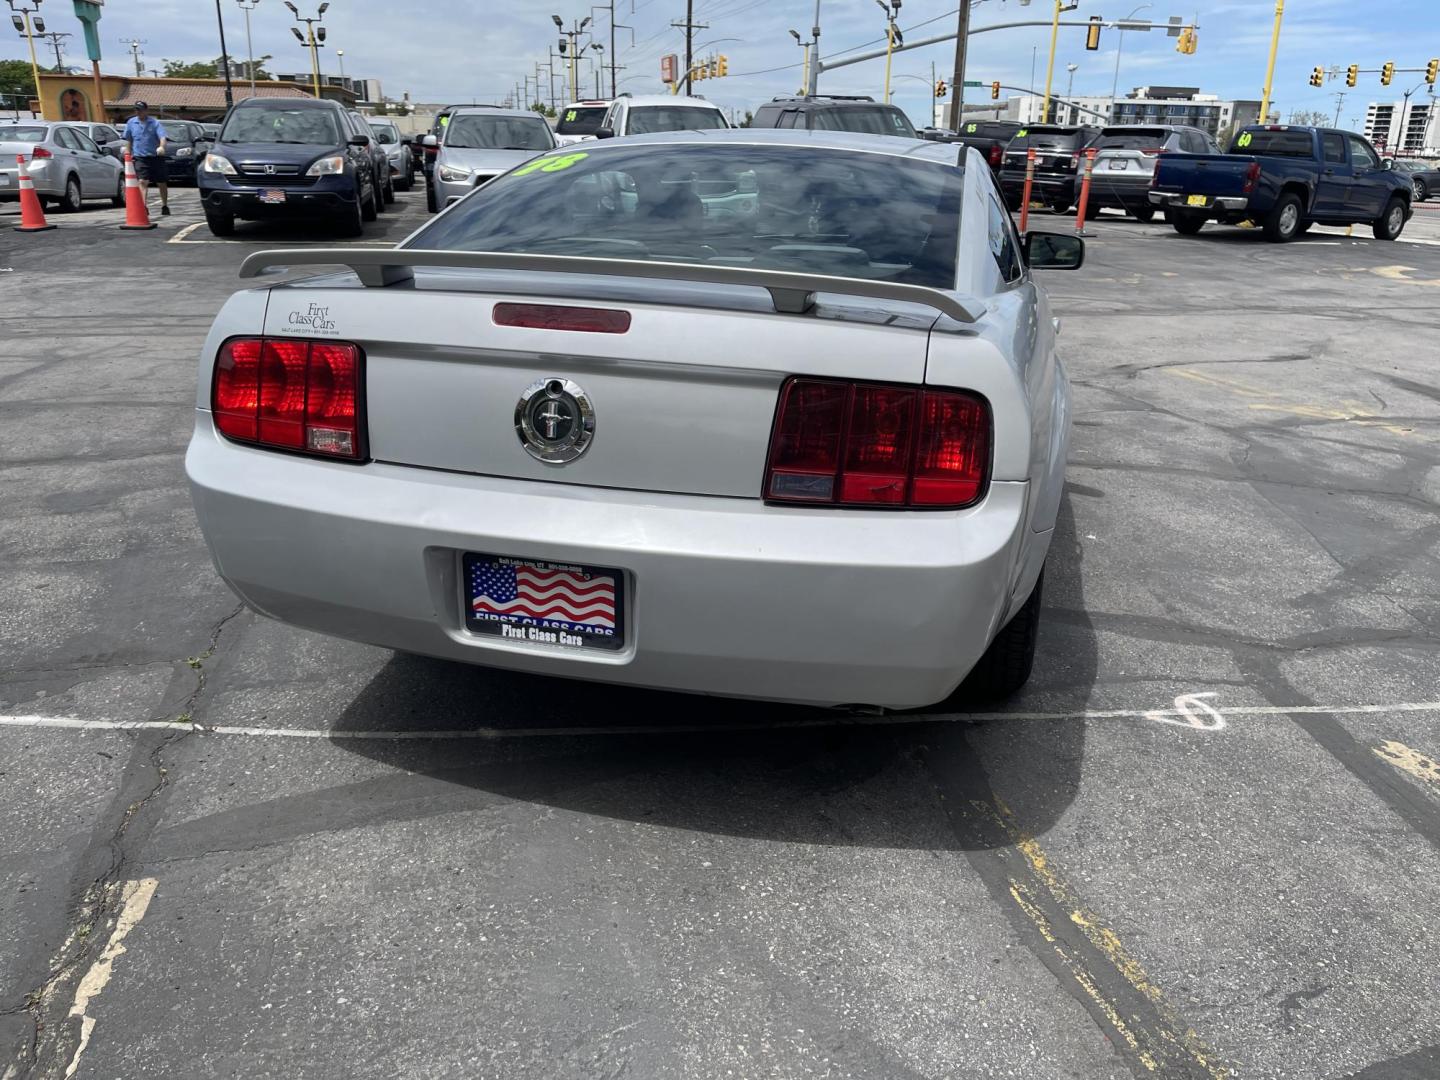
<point>1339,101</point>
<point>957,78</point>
<point>1050,69</point>
<point>248,6</point>
<point>690,26</point>
<point>1270,70</point>
<point>55,38</point>
<point>813,86</point>
<point>133,44</point>
<point>224,57</point>
<point>610,10</point>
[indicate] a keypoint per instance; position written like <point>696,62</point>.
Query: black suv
<point>1058,153</point>
<point>834,113</point>
<point>289,158</point>
<point>990,137</point>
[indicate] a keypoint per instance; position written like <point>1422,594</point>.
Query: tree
<point>214,69</point>
<point>543,109</point>
<point>1309,118</point>
<point>749,119</point>
<point>17,82</point>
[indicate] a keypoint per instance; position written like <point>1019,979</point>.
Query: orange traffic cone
<point>136,214</point>
<point>32,214</point>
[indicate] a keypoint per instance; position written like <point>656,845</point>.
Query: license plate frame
<point>550,631</point>
<point>1197,200</point>
<point>272,196</point>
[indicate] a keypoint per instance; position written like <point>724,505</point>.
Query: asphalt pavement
<point>1204,843</point>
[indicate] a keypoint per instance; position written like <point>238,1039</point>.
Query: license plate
<point>1118,166</point>
<point>555,605</point>
<point>4,179</point>
<point>1197,200</point>
<point>271,195</point>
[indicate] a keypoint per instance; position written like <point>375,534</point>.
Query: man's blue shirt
<point>144,135</point>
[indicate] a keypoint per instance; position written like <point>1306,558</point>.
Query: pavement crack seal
<point>197,664</point>
<point>1074,943</point>
<point>134,901</point>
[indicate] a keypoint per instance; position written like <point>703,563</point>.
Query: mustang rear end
<point>697,475</point>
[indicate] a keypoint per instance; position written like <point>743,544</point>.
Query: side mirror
<point>604,133</point>
<point>358,140</point>
<point>1054,251</point>
<point>430,141</point>
<point>406,139</point>
<point>1387,163</point>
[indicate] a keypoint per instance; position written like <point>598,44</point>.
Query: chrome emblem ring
<point>555,421</point>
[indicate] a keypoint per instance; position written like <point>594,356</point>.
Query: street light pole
<point>310,38</point>
<point>957,77</point>
<point>23,25</point>
<point>1050,68</point>
<point>224,57</point>
<point>891,10</point>
<point>1270,70</point>
<point>1119,44</point>
<point>247,6</point>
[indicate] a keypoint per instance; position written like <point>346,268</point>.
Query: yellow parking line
<point>1416,764</point>
<point>1171,1030</point>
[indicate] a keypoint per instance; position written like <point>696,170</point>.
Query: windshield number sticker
<point>1245,139</point>
<point>970,129</point>
<point>551,164</point>
<point>570,116</point>
<point>1022,133</point>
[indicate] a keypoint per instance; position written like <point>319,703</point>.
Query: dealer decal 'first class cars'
<point>772,414</point>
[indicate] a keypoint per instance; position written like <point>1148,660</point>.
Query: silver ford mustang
<point>767,414</point>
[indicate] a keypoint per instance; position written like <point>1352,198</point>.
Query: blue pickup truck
<point>1284,179</point>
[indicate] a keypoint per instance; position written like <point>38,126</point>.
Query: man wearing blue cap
<point>145,139</point>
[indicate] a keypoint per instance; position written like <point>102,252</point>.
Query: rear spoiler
<point>791,293</point>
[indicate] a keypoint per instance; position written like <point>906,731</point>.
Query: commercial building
<point>1142,105</point>
<point>71,97</point>
<point>1417,131</point>
<point>364,90</point>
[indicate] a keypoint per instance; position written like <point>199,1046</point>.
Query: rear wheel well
<point>1306,195</point>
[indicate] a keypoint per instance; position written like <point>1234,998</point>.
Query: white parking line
<point>1187,712</point>
<point>179,237</point>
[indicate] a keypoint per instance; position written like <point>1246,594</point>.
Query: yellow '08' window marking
<point>551,164</point>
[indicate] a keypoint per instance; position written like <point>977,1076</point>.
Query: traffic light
<point>1317,77</point>
<point>940,88</point>
<point>1432,70</point>
<point>1187,41</point>
<point>1092,33</point>
<point>1387,73</point>
<point>699,71</point>
<point>722,66</point>
<point>995,90</point>
<point>1352,75</point>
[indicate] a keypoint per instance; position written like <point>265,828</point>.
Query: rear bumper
<point>1225,203</point>
<point>46,178</point>
<point>1113,191</point>
<point>724,596</point>
<point>1049,187</point>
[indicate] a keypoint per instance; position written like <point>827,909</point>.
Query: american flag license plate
<point>543,603</point>
<point>272,195</point>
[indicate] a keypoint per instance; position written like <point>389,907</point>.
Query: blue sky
<point>454,50</point>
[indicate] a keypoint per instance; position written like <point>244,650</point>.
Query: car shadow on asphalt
<point>742,768</point>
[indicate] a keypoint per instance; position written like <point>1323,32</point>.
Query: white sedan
<point>766,414</point>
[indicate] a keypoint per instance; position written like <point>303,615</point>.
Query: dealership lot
<point>1204,842</point>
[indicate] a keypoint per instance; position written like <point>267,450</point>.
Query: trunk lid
<point>683,401</point>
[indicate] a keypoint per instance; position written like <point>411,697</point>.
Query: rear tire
<point>389,187</point>
<point>1391,223</point>
<point>1283,224</point>
<point>1422,190</point>
<point>118,199</point>
<point>1007,663</point>
<point>1186,224</point>
<point>73,199</point>
<point>370,208</point>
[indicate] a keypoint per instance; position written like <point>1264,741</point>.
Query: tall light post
<point>573,48</point>
<point>1119,42</point>
<point>224,57</point>
<point>314,37</point>
<point>340,55</point>
<point>1270,70</point>
<point>804,64</point>
<point>248,6</point>
<point>1050,68</point>
<point>892,36</point>
<point>21,19</point>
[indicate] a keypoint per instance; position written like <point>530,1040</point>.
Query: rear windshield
<point>648,119</point>
<point>1297,144</point>
<point>581,120</point>
<point>385,134</point>
<point>865,119</point>
<point>1135,139</point>
<point>23,134</point>
<point>766,207</point>
<point>469,131</point>
<point>978,130</point>
<point>1052,138</point>
<point>312,126</point>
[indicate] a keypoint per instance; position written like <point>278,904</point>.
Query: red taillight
<point>1075,160</point>
<point>864,444</point>
<point>289,393</point>
<point>997,155</point>
<point>559,317</point>
<point>40,154</point>
<point>1252,177</point>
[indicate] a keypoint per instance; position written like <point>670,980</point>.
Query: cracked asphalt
<point>229,848</point>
